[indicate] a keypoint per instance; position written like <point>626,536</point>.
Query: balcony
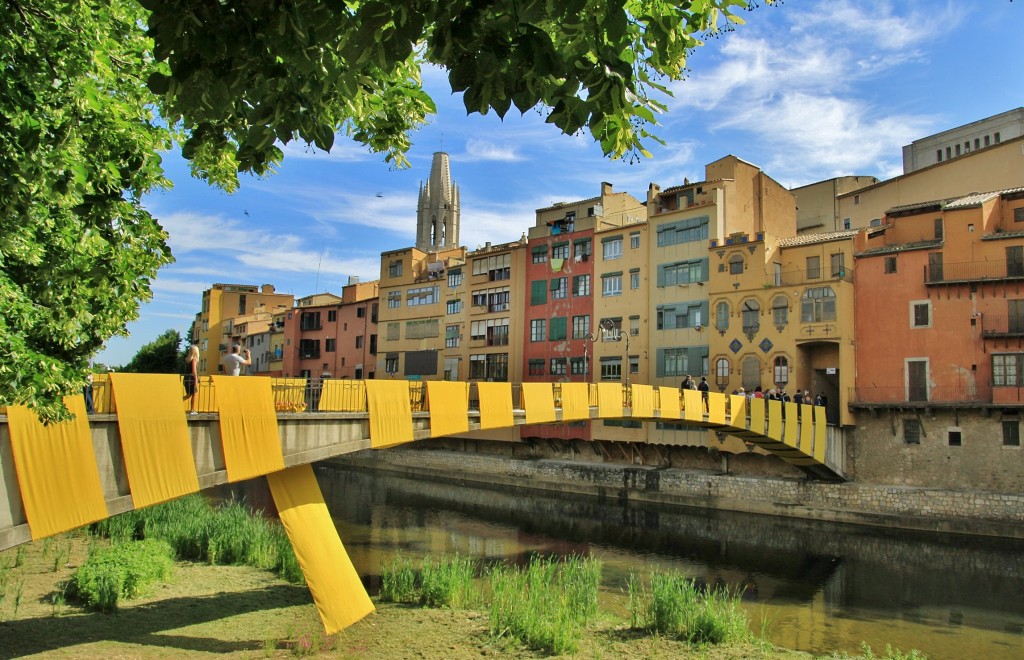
<point>939,396</point>
<point>309,355</point>
<point>974,271</point>
<point>803,277</point>
<point>308,326</point>
<point>999,327</point>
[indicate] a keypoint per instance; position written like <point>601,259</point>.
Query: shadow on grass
<point>142,624</point>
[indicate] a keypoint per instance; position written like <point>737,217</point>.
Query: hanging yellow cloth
<point>248,427</point>
<point>716,407</point>
<point>643,401</point>
<point>556,265</point>
<point>609,400</point>
<point>820,434</point>
<point>738,411</point>
<point>449,407</point>
<point>495,405</point>
<point>56,468</point>
<point>575,401</point>
<point>337,591</point>
<point>390,413</point>
<point>343,396</point>
<point>693,406</point>
<point>668,398</point>
<point>539,401</point>
<point>154,437</point>
<point>774,419</point>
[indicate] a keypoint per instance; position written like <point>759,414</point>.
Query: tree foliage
<point>161,356</point>
<point>232,80</point>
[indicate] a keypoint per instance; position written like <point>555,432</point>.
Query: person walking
<point>234,361</point>
<point>703,387</point>
<point>190,377</point>
<point>90,408</point>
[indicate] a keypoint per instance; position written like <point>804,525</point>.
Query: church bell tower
<point>437,214</point>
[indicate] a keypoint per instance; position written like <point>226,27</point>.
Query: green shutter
<point>704,270</point>
<point>558,328</point>
<point>538,292</point>
<point>659,363</point>
<point>661,275</point>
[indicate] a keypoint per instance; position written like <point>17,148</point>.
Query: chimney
<point>606,188</point>
<point>353,279</point>
<point>267,288</point>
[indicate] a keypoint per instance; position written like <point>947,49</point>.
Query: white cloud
<point>171,286</point>
<point>477,150</point>
<point>344,150</point>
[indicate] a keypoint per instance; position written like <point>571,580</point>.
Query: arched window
<point>818,304</point>
<point>722,316</point>
<point>780,311</point>
<point>736,264</point>
<point>722,372</point>
<point>781,370</point>
<point>751,317</point>
<point>751,372</point>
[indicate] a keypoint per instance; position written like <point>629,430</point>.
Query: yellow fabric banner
<point>668,400</point>
<point>757,415</point>
<point>539,401</point>
<point>56,468</point>
<point>774,419</point>
<point>820,433</point>
<point>495,405</point>
<point>154,437</point>
<point>807,430</point>
<point>609,401</point>
<point>343,396</point>
<point>738,411</point>
<point>716,407</point>
<point>643,401</point>
<point>289,391</point>
<point>102,402</point>
<point>390,415</point>
<point>791,430</point>
<point>337,591</point>
<point>449,407</point>
<point>693,406</point>
<point>575,401</point>
<point>248,427</point>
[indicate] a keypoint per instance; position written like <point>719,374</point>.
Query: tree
<point>232,80</point>
<point>160,356</point>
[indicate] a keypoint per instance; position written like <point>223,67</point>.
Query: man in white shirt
<point>233,361</point>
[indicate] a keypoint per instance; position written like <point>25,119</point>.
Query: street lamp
<point>608,325</point>
<point>588,339</point>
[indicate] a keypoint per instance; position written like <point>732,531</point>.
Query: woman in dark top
<point>191,377</point>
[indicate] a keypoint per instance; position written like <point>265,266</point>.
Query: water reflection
<point>823,587</point>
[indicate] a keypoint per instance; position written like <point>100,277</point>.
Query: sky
<point>807,90</point>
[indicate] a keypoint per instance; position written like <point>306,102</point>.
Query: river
<point>819,587</point>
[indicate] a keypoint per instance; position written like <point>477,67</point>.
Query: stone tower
<point>437,215</point>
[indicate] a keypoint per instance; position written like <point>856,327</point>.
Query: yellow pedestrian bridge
<point>141,447</point>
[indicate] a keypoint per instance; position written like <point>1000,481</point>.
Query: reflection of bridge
<point>62,476</point>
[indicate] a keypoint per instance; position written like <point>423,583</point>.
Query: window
<point>309,348</point>
<point>309,321</point>
<point>1007,369</point>
<point>498,299</point>
<point>241,304</point>
<point>813,268</point>
<point>559,288</point>
<point>331,345</point>
<point>818,304</point>
<point>581,285</point>
<point>454,277</point>
<point>395,268</point>
<point>722,316</point>
<point>938,155</point>
<point>427,295</point>
<point>477,330</point>
<point>332,314</point>
<point>558,328</point>
<point>612,247</point>
<point>497,332</point>
<point>394,299</point>
<point>954,437</point>
<point>780,370</point>
<point>722,372</point>
<point>454,306</point>
<point>538,329</point>
<point>736,264</point>
<point>938,227</point>
<point>422,329</point>
<point>538,292</point>
<point>540,255</point>
<point>581,249</point>
<point>987,142</point>
<point>560,251</point>
<point>684,231</point>
<point>611,368</point>
<point>780,312</point>
<point>634,279</point>
<point>681,315</point>
<point>359,341</point>
<point>535,367</point>
<point>634,240</point>
<point>996,137</point>
<point>577,366</point>
<point>496,267</point>
<point>836,263</point>
<point>391,363</point>
<point>912,431</point>
<point>451,368</point>
<point>1018,214</point>
<point>558,366</point>
<point>451,336</point>
<point>1011,433</point>
<point>846,223</point>
<point>493,367</point>
<point>634,326</point>
<point>682,272</point>
<point>393,331</point>
<point>920,314</point>
<point>611,285</point>
<point>611,329</point>
<point>580,327</point>
<point>1015,261</point>
<point>634,364</point>
<point>674,362</point>
<point>890,265</point>
<point>751,316</point>
<point>856,199</point>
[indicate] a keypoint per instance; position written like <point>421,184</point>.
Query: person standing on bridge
<point>703,387</point>
<point>190,378</point>
<point>233,361</point>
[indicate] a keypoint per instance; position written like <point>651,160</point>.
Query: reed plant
<point>398,581</point>
<point>676,607</point>
<point>447,582</point>
<point>547,605</point>
<point>121,571</point>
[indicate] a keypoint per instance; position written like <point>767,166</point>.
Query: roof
<point>810,239</point>
<point>900,247</point>
<point>976,199</point>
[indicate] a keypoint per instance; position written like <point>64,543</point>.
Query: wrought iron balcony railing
<point>934,395</point>
<point>974,271</point>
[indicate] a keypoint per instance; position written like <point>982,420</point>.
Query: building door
<point>935,267</point>
<point>1015,261</point>
<point>917,380</point>
<point>1015,308</point>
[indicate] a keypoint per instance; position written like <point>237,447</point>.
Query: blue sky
<point>808,90</point>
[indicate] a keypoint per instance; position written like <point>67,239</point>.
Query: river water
<point>819,587</point>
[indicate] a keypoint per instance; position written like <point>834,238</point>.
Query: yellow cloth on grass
<point>248,427</point>
<point>390,414</point>
<point>575,401</point>
<point>154,437</point>
<point>56,468</point>
<point>495,405</point>
<point>337,591</point>
<point>449,407</point>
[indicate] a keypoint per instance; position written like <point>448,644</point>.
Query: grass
<point>676,607</point>
<point>121,571</point>
<point>440,582</point>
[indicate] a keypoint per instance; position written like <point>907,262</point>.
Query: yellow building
<point>212,330</point>
<point>817,204</point>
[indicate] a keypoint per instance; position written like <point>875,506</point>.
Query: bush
<point>677,608</point>
<point>123,570</point>
<point>447,582</point>
<point>398,581</point>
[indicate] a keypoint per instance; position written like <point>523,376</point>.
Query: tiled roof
<point>900,247</point>
<point>810,239</point>
<point>977,198</point>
